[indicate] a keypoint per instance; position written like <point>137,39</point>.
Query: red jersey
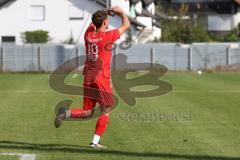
<point>99,51</point>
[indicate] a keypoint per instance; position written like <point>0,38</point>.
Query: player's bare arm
<point>125,21</point>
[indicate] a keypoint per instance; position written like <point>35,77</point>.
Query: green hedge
<point>38,36</point>
<point>183,32</point>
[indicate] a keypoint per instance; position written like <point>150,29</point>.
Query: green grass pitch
<point>208,127</point>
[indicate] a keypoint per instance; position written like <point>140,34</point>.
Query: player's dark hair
<point>98,18</point>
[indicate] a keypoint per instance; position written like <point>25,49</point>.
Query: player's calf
<point>64,113</point>
<point>99,131</point>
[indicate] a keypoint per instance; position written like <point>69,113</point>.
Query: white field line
<point>21,156</point>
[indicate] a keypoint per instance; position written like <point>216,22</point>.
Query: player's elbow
<point>124,29</point>
<point>128,26</point>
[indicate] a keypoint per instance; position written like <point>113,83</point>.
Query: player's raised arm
<point>125,21</point>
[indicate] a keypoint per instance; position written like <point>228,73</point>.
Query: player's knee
<point>106,110</point>
<point>107,114</point>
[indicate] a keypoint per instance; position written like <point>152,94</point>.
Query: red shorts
<point>101,93</point>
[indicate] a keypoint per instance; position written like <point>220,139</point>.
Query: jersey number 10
<point>92,52</point>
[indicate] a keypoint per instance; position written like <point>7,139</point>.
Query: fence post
<point>77,61</point>
<point>190,57</point>
<point>115,59</point>
<point>152,56</point>
<point>228,56</point>
<point>1,59</point>
<point>39,58</point>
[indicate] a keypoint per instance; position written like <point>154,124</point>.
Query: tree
<point>234,35</point>
<point>182,30</point>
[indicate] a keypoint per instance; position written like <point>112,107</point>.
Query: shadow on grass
<point>87,150</point>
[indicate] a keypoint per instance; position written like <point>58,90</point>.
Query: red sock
<point>77,113</point>
<point>101,125</point>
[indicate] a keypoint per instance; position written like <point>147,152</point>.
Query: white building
<point>220,16</point>
<point>61,18</point>
<point>223,23</point>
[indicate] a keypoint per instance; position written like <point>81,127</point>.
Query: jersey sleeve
<point>112,35</point>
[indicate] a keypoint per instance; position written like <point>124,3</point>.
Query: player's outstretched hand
<point>118,10</point>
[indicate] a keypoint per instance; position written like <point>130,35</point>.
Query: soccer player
<point>96,71</point>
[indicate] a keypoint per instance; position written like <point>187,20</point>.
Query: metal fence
<point>174,56</point>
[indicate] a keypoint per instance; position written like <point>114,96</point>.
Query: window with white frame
<point>37,13</point>
<point>76,12</point>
